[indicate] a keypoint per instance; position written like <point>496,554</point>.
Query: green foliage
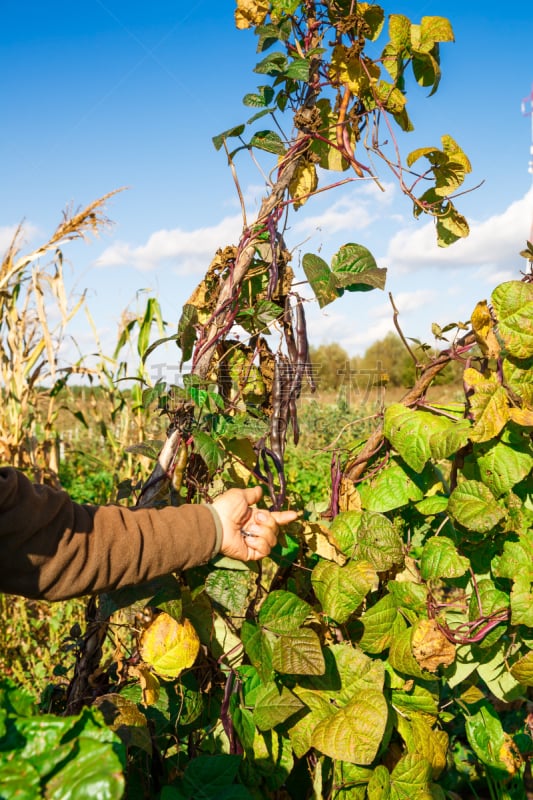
<point>389,642</point>
<point>308,475</point>
<point>386,363</point>
<point>449,167</point>
<point>389,358</point>
<point>331,366</point>
<point>66,758</point>
<point>388,629</point>
<point>332,123</point>
<point>36,643</point>
<point>353,269</point>
<point>85,480</point>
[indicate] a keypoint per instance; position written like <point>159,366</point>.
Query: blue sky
<point>108,93</point>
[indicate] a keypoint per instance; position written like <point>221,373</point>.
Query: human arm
<point>53,548</point>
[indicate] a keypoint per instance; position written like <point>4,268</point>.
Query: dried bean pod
<point>180,465</point>
<point>277,402</point>
<point>281,394</point>
<point>302,343</point>
<point>293,416</point>
<point>274,271</point>
<point>289,331</point>
<point>278,498</point>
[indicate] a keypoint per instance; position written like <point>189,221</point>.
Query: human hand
<point>260,526</point>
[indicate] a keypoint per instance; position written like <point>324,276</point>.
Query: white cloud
<point>189,251</point>
<point>345,214</point>
<point>252,196</point>
<point>353,334</point>
<point>7,232</point>
<point>498,276</point>
<point>405,302</point>
<point>6,236</point>
<point>358,342</point>
<point>354,210</point>
<point>324,327</point>
<point>493,243</point>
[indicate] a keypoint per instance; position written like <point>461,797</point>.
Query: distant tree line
<point>386,362</point>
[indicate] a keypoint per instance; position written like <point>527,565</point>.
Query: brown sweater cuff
<point>218,530</point>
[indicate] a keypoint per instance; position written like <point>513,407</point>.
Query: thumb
<point>253,494</point>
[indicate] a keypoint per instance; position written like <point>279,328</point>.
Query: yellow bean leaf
<point>250,12</point>
<point>522,416</point>
<point>303,183</point>
<point>489,405</point>
<point>349,497</point>
<point>472,377</point>
<point>320,541</point>
<point>354,72</point>
<point>168,646</point>
<point>483,326</point>
<point>510,755</point>
<point>430,646</point>
<point>149,685</point>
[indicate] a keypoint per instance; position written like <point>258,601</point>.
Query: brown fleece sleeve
<point>53,548</point>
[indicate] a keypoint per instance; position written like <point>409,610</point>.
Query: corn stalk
<point>35,312</point>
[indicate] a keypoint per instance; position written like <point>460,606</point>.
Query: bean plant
<point>383,650</point>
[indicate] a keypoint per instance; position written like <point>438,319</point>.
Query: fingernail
<point>261,516</point>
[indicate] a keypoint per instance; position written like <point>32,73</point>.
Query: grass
<point>36,640</point>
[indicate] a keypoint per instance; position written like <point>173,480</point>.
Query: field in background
<point>33,647</point>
